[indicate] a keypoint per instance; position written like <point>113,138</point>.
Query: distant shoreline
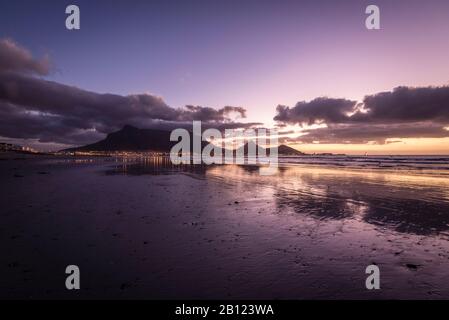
<point>432,165</point>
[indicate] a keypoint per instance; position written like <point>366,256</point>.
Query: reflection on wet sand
<point>143,228</point>
<point>402,201</point>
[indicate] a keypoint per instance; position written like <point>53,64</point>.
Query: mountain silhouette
<point>130,138</point>
<point>289,151</point>
<point>261,151</point>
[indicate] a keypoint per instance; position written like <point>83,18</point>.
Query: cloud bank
<point>404,112</point>
<point>32,107</point>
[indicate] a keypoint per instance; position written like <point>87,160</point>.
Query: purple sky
<point>252,54</point>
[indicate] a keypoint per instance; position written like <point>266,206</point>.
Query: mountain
<point>130,138</point>
<point>288,151</point>
<point>283,150</point>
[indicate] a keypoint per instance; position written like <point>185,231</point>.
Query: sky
<point>252,55</point>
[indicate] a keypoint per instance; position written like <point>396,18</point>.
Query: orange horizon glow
<point>416,146</point>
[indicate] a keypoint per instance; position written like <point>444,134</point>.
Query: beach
<point>149,230</point>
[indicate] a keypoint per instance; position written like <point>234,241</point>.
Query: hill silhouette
<point>130,138</point>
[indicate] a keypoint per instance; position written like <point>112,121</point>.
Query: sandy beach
<point>150,230</point>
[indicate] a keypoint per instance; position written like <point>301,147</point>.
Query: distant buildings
<point>9,147</point>
<point>14,147</point>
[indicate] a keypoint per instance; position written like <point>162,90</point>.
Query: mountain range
<point>130,138</point>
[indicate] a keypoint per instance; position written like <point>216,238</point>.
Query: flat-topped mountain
<point>130,138</point>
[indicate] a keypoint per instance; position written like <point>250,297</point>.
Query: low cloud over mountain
<point>32,107</point>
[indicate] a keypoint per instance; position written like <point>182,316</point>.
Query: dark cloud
<point>286,132</point>
<point>81,108</point>
<point>221,126</point>
<point>31,107</point>
<point>405,104</point>
<point>16,122</point>
<point>18,59</point>
<point>360,133</point>
<point>316,111</point>
<point>404,112</point>
<point>210,114</point>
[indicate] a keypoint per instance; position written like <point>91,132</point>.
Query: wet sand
<point>153,231</point>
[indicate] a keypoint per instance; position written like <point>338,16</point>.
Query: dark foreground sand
<point>147,231</point>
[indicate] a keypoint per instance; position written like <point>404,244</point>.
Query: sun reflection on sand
<point>402,200</point>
